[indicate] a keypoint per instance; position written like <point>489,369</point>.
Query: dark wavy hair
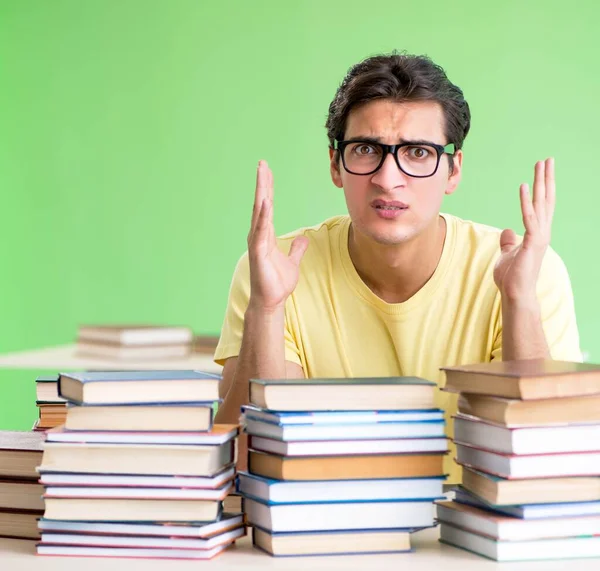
<point>400,77</point>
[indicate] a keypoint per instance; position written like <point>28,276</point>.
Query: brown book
<point>51,415</point>
<point>527,379</point>
<point>20,454</point>
<point>205,344</point>
<point>345,467</point>
<point>499,491</point>
<point>21,495</point>
<point>19,524</point>
<point>515,412</point>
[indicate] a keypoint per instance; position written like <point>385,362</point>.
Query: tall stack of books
<point>528,438</point>
<point>52,408</point>
<point>134,342</point>
<point>139,469</point>
<point>341,465</point>
<point>21,502</point>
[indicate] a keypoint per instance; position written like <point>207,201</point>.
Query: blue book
<point>272,492</point>
<point>143,387</point>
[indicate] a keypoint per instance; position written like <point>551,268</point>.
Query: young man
<point>395,287</point>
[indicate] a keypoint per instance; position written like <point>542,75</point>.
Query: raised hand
<point>273,274</point>
<point>518,267</point>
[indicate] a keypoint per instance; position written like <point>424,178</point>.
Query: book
<point>46,390</point>
<point>205,344</point>
<point>139,387</point>
<point>136,334</point>
<point>531,440</point>
<point>219,434</point>
<point>148,459</point>
<point>324,432</point>
<point>348,447</point>
<point>340,515</point>
<point>377,393</point>
<point>155,542</point>
<point>365,541</point>
<point>271,491</point>
<point>233,503</point>
<point>345,467</point>
<point>530,511</point>
<point>150,418</point>
<point>283,418</point>
<point>501,491</point>
<point>20,454</point>
<point>138,481</point>
<point>138,509</point>
<point>516,412</point>
<point>530,466</point>
<point>51,415</point>
<point>132,352</point>
<point>22,495</point>
<point>201,530</point>
<point>531,550</point>
<point>526,379</point>
<point>19,524</point>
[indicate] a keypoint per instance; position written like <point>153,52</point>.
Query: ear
<point>455,177</point>
<point>334,168</point>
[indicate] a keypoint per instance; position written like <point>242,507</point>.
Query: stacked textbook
<point>139,469</point>
<point>528,438</point>
<point>341,465</point>
<point>51,407</point>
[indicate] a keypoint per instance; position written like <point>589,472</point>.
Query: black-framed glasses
<point>419,159</point>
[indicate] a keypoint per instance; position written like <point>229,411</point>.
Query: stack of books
<point>341,465</point>
<point>139,469</point>
<point>52,408</point>
<point>21,502</point>
<point>134,342</point>
<point>528,438</point>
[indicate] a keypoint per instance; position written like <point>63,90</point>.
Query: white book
<point>340,515</point>
<point>134,335</point>
<point>346,447</point>
<point>345,431</point>
<point>534,440</point>
<point>538,466</point>
<point>277,491</point>
<point>556,548</point>
<point>149,553</point>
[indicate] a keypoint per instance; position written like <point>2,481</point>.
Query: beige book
<point>20,454</point>
<point>136,334</point>
<point>21,495</point>
<point>19,524</point>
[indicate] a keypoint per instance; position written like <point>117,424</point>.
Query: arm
<point>522,332</point>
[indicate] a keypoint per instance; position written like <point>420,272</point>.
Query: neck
<point>397,272</point>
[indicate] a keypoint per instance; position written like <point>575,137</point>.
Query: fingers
<point>298,248</point>
<point>550,188</point>
<point>539,190</point>
<point>264,186</point>
<point>508,240</point>
<point>530,220</point>
<point>260,235</point>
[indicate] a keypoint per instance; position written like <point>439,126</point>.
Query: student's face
<point>367,196</point>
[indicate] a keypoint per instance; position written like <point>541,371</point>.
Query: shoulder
<point>321,237</point>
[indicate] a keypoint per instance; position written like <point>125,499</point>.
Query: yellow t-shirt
<point>335,326</point>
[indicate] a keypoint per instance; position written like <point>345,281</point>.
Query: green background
<point>130,132</point>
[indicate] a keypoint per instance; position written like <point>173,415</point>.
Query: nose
<point>389,176</point>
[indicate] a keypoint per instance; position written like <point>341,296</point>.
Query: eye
<point>363,149</point>
<point>418,152</point>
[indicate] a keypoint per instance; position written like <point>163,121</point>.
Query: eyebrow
<point>377,140</point>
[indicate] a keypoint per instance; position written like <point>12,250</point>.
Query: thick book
<point>327,417</point>
<point>271,491</point>
<point>20,454</point>
<point>366,541</point>
<point>526,379</point>
<point>147,459</point>
<point>530,511</point>
<point>156,542</point>
<point>157,418</point>
<point>219,434</point>
<point>138,481</point>
<point>138,509</point>
<point>51,415</point>
<point>377,393</point>
<point>348,447</point>
<point>529,466</point>
<point>501,491</point>
<point>339,516</point>
<point>567,547</point>
<point>139,387</point>
<point>531,440</point>
<point>131,352</point>
<point>136,334</point>
<point>23,495</point>
<point>199,530</point>
<point>19,524</point>
<point>320,432</point>
<point>345,467</point>
<point>46,390</point>
<point>516,412</point>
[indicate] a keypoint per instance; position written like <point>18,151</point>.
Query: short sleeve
<point>232,331</point>
<point>557,310</point>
